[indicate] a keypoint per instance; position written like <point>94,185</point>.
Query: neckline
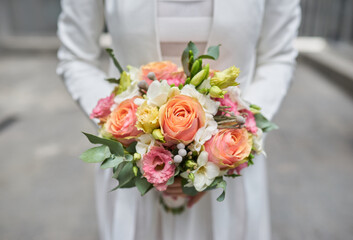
<point>156,28</point>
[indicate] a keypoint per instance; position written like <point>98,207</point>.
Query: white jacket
<point>256,36</point>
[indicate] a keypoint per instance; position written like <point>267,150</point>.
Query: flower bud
<point>216,92</point>
<point>135,170</point>
<point>195,67</point>
<point>225,78</point>
<point>151,75</point>
<point>240,119</point>
<point>157,134</point>
<point>182,152</point>
<point>137,156</point>
<point>143,85</point>
<point>178,159</point>
<point>190,164</point>
<point>124,83</point>
<point>181,146</point>
<point>200,76</point>
<point>191,176</point>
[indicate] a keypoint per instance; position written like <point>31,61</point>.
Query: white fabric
<point>256,36</point>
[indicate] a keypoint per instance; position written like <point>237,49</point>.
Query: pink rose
<point>103,107</point>
<point>229,147</point>
<point>160,69</point>
<point>180,118</point>
<point>250,122</point>
<point>121,122</point>
<point>158,167</point>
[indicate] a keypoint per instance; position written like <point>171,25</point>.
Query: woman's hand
<point>175,190</point>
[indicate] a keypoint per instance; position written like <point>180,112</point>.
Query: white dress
<point>256,36</point>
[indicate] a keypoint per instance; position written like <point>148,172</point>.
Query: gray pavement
<point>47,192</point>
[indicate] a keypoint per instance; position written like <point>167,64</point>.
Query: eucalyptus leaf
<point>143,185</point>
<point>232,175</point>
<point>222,185</point>
<point>113,80</point>
<point>213,51</point>
<point>132,148</point>
<point>114,146</point>
<point>190,191</point>
<point>126,175</point>
<point>115,61</point>
<point>263,123</point>
<point>170,181</point>
<point>117,170</point>
<point>96,154</point>
<point>112,162</point>
<point>129,157</point>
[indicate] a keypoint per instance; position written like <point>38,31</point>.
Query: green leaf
<point>131,148</point>
<point>114,146</point>
<point>264,124</point>
<point>113,80</point>
<point>170,181</point>
<point>96,154</point>
<point>223,185</point>
<point>185,56</point>
<point>232,175</point>
<point>112,162</point>
<point>205,56</point>
<point>129,157</point>
<point>143,185</point>
<point>190,191</point>
<point>117,170</point>
<point>213,51</point>
<point>126,175</point>
<point>115,61</point>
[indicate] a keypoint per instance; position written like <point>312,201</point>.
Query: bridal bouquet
<point>162,122</point>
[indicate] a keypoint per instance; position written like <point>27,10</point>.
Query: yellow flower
<point>225,78</point>
<point>147,117</point>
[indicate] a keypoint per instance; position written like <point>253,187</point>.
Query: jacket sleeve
<point>275,55</point>
<point>79,27</point>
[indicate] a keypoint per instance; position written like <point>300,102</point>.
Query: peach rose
<point>121,122</point>
<point>180,118</point>
<point>162,70</point>
<point>229,147</point>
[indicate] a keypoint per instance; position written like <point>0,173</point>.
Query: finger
<point>195,199</point>
<point>175,194</point>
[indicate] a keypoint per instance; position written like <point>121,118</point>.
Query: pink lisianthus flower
<point>250,122</point>
<point>103,107</point>
<point>226,101</point>
<point>158,167</point>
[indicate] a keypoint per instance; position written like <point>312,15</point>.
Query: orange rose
<point>162,70</point>
<point>121,122</point>
<point>180,118</point>
<point>229,147</point>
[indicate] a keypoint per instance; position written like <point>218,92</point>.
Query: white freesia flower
<point>235,95</point>
<point>205,173</point>
<point>206,102</point>
<point>258,142</point>
<point>157,93</point>
<point>205,84</point>
<point>144,143</point>
<point>204,134</point>
<point>134,73</point>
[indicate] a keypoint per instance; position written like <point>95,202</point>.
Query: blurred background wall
<point>47,192</point>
